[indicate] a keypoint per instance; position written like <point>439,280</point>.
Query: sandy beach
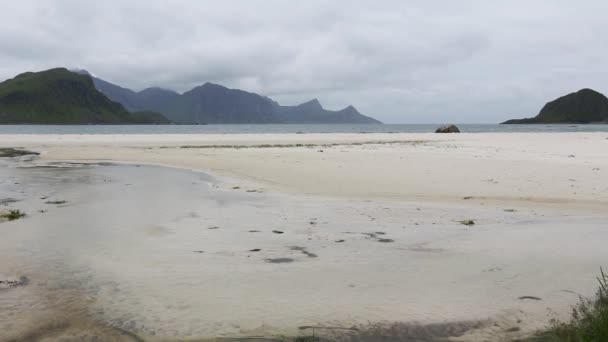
<point>558,168</point>
<point>358,234</point>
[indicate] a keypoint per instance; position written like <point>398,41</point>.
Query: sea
<point>291,128</point>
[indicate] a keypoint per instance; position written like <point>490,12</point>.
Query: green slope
<point>584,106</point>
<point>59,96</point>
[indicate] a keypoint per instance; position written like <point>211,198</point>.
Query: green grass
<point>589,322</point>
<point>12,215</point>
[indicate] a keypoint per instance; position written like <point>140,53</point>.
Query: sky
<point>399,61</point>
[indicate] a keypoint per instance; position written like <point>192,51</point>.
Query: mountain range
<point>215,104</point>
<point>59,96</point>
<point>583,106</point>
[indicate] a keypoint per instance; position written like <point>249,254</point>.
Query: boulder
<point>447,129</point>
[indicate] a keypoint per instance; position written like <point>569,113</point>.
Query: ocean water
<point>281,128</point>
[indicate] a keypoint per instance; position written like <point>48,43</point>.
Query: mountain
<point>215,104</point>
<point>59,96</point>
<point>147,99</point>
<point>313,112</point>
<point>584,106</point>
<point>154,98</point>
<point>118,94</point>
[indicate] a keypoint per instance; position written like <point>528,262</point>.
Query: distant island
<point>583,107</point>
<point>59,96</point>
<point>215,104</point>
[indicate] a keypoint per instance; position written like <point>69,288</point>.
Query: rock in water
<point>447,129</point>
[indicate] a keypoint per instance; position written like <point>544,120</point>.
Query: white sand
<point>436,270</point>
<point>562,168</point>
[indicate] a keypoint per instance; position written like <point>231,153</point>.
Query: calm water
<point>159,253</point>
<point>260,129</point>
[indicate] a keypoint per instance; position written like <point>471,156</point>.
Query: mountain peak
<point>213,85</point>
<point>350,109</point>
<point>215,103</point>
<point>587,90</point>
<point>313,104</point>
<point>81,71</point>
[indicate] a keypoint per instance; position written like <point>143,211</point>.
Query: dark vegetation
<point>12,215</point>
<point>589,322</point>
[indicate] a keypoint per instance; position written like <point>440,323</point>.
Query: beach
<point>560,168</point>
<point>483,236</point>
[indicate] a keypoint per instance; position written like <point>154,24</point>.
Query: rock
<point>447,129</point>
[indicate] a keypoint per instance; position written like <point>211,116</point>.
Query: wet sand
<point>153,253</point>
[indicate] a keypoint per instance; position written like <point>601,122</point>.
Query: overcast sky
<point>399,61</point>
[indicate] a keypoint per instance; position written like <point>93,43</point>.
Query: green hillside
<point>59,96</point>
<point>584,106</point>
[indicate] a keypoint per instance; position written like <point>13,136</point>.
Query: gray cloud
<point>400,61</point>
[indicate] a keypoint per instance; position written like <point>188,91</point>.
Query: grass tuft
<point>12,215</point>
<point>589,320</point>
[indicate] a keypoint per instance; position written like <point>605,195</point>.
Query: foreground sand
<point>539,201</point>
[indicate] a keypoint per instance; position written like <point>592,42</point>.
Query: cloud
<point>400,61</point>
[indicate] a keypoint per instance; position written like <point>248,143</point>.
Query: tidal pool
<point>129,252</point>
